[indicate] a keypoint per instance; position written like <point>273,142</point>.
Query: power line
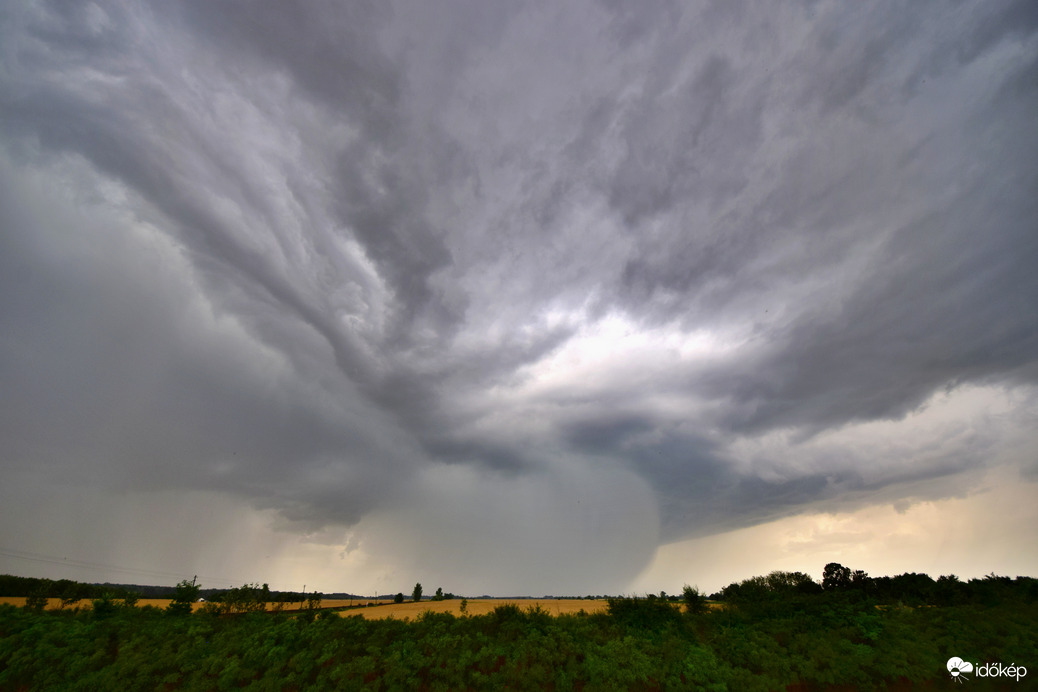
<point>104,567</point>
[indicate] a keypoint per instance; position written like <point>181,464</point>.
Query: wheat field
<point>400,611</point>
<point>554,606</point>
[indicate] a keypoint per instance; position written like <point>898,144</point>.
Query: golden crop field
<point>554,606</point>
<point>408,609</point>
<point>55,603</point>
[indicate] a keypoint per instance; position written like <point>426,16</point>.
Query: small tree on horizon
<point>416,595</point>
<point>693,599</point>
<point>836,577</point>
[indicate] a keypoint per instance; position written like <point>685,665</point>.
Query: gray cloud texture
<point>318,255</point>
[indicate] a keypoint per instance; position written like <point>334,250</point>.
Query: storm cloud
<point>431,275</point>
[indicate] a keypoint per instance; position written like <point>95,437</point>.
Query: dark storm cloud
<point>690,144</point>
<point>948,298</point>
<point>330,51</point>
<point>321,247</point>
<point>119,382</point>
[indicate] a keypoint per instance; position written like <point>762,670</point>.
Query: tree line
<point>910,588</point>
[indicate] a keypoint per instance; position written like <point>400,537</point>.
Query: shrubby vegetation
<point>186,594</point>
<point>773,632</point>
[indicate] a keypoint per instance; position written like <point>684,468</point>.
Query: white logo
<point>956,666</point>
<point>958,669</point>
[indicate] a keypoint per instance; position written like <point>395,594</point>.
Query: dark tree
<point>790,582</point>
<point>247,598</point>
<point>860,580</point>
<point>416,595</point>
<point>693,599</point>
<point>37,600</point>
<point>104,606</point>
<point>399,598</point>
<point>836,577</point>
<point>185,595</point>
<point>951,591</point>
<point>313,606</point>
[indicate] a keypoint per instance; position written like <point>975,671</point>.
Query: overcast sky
<point>517,298</point>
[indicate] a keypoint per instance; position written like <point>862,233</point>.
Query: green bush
<point>650,612</point>
<point>104,607</point>
<point>186,594</point>
<point>694,600</point>
<point>36,601</point>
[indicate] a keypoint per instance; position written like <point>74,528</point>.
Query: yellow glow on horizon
<point>993,528</point>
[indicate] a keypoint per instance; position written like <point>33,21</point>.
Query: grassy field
<point>399,611</point>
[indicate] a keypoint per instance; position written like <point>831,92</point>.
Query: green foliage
<point>104,607</point>
<point>37,600</point>
<point>68,591</point>
<point>247,598</point>
<point>438,596</point>
<point>829,644</point>
<point>10,585</point>
<point>778,586</point>
<point>185,595</point>
<point>312,608</point>
<point>692,597</point>
<point>212,608</point>
<point>399,598</point>
<point>836,577</point>
<point>464,605</point>
<point>650,612</point>
<point>788,639</point>
<point>788,583</point>
<point>416,595</point>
